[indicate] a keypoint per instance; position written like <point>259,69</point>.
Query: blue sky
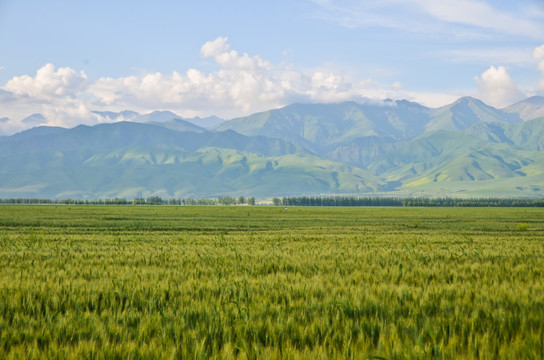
<point>64,59</point>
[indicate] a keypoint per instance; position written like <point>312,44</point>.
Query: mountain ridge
<point>386,147</point>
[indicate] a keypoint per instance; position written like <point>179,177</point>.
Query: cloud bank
<point>240,85</point>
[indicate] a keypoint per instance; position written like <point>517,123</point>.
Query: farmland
<point>265,282</point>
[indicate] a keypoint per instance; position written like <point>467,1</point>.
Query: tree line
<point>151,200</point>
<point>398,201</point>
<point>296,201</point>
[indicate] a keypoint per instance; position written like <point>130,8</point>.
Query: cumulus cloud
<point>215,47</point>
<point>497,88</point>
<point>48,83</point>
<point>219,49</point>
<point>538,54</point>
<point>241,84</point>
<point>57,95</point>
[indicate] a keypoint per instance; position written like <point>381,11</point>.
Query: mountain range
<point>154,117</point>
<point>394,147</point>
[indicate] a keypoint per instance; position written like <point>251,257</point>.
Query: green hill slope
<point>465,112</point>
<point>131,159</point>
<point>318,126</point>
<point>443,157</point>
<point>391,147</point>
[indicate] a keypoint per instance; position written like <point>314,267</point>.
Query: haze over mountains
<point>386,147</point>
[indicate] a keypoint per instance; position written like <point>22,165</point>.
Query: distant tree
<point>241,200</point>
<point>154,200</point>
<point>250,201</point>
<point>226,200</point>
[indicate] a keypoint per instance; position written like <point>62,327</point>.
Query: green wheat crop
<point>176,282</point>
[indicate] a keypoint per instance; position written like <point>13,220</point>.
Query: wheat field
<point>217,282</point>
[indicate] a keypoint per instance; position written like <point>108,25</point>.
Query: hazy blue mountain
<point>156,117</point>
<point>34,119</point>
<point>529,134</point>
<point>362,151</point>
<point>321,126</point>
<point>133,159</point>
<point>445,156</point>
<point>489,131</point>
<point>206,122</point>
<point>166,116</point>
<point>35,131</point>
<point>113,116</point>
<point>466,112</point>
<point>179,125</point>
<point>103,138</point>
<point>528,109</point>
<point>360,134</point>
<point>398,147</point>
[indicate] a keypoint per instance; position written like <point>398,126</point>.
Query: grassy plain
<point>265,283</point>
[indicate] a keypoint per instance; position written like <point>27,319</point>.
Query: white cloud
<point>215,47</point>
<point>397,85</point>
<point>48,83</point>
<point>480,14</point>
<point>219,49</point>
<point>57,94</point>
<point>432,17</point>
<point>497,88</point>
<point>538,54</point>
<point>240,85</point>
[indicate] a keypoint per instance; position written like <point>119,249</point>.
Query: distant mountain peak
<point>468,100</point>
<point>125,114</point>
<point>179,125</point>
<point>34,119</point>
<point>163,112</point>
<point>349,147</point>
<point>528,109</point>
<point>533,100</point>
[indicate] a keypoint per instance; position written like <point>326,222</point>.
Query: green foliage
<point>309,283</point>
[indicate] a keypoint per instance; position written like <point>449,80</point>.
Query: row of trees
<point>297,201</point>
<point>36,201</point>
<point>337,201</point>
<point>151,200</point>
<point>395,201</point>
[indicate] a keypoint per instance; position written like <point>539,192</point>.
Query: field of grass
<point>268,283</point>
